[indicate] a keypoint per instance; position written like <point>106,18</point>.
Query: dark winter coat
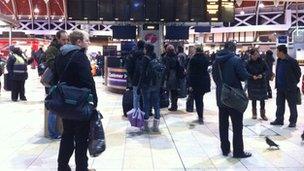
<point>233,72</point>
<point>17,67</point>
<point>134,66</point>
<point>257,89</point>
<point>78,73</point>
<point>198,76</point>
<point>292,74</point>
<point>172,71</point>
<point>144,81</point>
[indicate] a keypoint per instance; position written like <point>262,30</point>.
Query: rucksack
<point>42,64</point>
<point>155,72</point>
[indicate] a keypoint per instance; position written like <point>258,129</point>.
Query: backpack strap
<point>67,65</point>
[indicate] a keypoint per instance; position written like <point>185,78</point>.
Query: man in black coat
<point>134,67</point>
<point>199,80</point>
<point>233,72</point>
<point>288,75</point>
<point>75,133</point>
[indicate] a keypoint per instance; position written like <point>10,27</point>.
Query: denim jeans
<point>136,98</point>
<point>151,99</point>
<point>52,126</point>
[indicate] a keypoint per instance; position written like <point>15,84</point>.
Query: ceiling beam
<point>65,9</point>
<point>8,8</point>
<point>15,9</point>
<point>31,8</point>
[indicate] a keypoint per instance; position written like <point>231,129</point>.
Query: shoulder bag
<point>233,97</point>
<point>70,102</point>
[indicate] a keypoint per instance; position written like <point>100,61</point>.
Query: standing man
<point>288,75</point>
<point>75,133</point>
<point>54,124</point>
<point>233,72</point>
<point>134,68</point>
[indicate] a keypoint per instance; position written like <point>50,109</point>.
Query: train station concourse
<point>144,85</point>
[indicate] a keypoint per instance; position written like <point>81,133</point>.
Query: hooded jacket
<point>78,73</point>
<point>134,66</point>
<point>233,72</point>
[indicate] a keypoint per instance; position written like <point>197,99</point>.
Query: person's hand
<point>260,76</point>
<point>190,89</point>
<point>255,77</point>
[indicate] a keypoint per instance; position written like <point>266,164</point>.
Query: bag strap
<point>67,65</point>
<point>220,72</point>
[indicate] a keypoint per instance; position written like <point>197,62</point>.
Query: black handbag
<point>299,96</point>
<point>70,102</point>
<point>234,98</point>
<point>97,143</point>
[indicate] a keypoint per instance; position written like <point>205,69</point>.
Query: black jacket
<point>233,71</point>
<point>292,74</point>
<point>257,89</point>
<point>17,69</point>
<point>78,73</point>
<point>134,66</point>
<point>172,71</point>
<point>144,80</point>
<point>198,76</point>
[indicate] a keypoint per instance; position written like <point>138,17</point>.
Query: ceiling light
<point>261,5</point>
<point>242,12</point>
<point>36,10</point>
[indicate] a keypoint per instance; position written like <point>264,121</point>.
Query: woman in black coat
<point>172,75</point>
<point>199,80</point>
<point>257,88</point>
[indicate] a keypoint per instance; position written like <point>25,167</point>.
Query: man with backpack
<point>150,83</point>
<point>134,67</point>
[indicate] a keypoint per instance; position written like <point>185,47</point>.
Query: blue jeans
<point>136,98</point>
<point>151,99</point>
<point>52,123</point>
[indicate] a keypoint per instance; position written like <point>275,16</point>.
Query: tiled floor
<point>180,146</point>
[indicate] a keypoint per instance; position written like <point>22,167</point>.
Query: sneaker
<point>244,155</point>
<point>276,123</point>
<point>190,110</point>
<point>23,99</point>
<point>201,121</point>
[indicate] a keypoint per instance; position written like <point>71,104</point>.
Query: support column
<point>10,36</point>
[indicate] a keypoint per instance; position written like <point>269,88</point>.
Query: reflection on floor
<point>180,146</point>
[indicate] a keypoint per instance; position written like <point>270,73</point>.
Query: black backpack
<point>155,72</point>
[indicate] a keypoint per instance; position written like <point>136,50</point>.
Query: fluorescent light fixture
<point>242,12</point>
<point>261,5</point>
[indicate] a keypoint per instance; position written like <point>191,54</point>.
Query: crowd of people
<point>175,72</point>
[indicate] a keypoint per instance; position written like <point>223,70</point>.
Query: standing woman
<point>171,75</point>
<point>199,80</point>
<point>17,70</point>
<point>257,88</point>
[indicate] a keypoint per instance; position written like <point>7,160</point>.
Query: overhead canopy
<point>6,21</point>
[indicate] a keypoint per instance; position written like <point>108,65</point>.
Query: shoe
<point>244,155</point>
<point>189,110</point>
<point>226,153</point>
<point>292,125</point>
<point>263,115</point>
<point>23,99</point>
<point>276,123</point>
<point>254,113</point>
<point>155,127</point>
<point>14,100</point>
<point>172,109</point>
<point>91,169</point>
<point>201,121</point>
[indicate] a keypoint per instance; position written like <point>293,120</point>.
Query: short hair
<point>230,46</point>
<point>141,44</point>
<point>282,48</point>
<point>199,49</point>
<point>253,50</point>
<point>180,49</point>
<point>170,49</point>
<point>149,48</point>
<point>58,34</point>
<point>77,35</point>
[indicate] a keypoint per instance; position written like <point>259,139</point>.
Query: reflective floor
<point>181,145</point>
